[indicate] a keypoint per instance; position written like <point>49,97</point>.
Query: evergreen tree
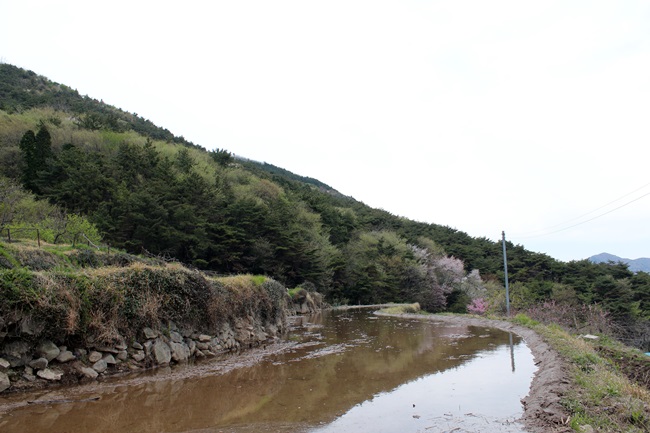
<point>28,150</point>
<point>37,151</point>
<point>616,296</point>
<point>221,157</point>
<point>42,149</point>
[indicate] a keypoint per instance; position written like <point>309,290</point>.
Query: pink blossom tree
<point>477,306</point>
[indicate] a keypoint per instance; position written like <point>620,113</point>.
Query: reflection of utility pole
<point>505,269</point>
<point>512,353</point>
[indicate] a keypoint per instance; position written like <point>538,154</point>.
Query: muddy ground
<point>542,409</point>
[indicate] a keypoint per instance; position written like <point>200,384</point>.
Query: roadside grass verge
<point>601,394</point>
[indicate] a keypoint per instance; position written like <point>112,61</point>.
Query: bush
<point>477,306</point>
<point>524,320</point>
<point>17,289</point>
<point>576,317</point>
<point>86,259</point>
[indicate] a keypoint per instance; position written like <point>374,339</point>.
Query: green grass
<point>600,394</point>
<point>294,292</point>
<point>258,280</point>
<point>6,257</point>
<point>402,309</point>
<point>524,320</point>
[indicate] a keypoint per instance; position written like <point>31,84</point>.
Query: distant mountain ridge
<point>635,265</point>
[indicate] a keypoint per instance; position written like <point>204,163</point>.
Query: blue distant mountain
<point>636,265</point>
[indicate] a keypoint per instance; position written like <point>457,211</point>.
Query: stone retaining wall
<point>25,365</point>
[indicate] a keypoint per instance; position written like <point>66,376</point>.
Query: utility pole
<point>505,269</point>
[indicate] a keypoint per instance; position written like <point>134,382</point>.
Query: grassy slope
<point>603,391</point>
<point>82,295</point>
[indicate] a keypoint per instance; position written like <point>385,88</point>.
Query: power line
<point>590,219</point>
<point>585,214</point>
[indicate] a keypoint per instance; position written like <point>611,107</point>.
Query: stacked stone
<point>34,361</point>
<point>49,362</point>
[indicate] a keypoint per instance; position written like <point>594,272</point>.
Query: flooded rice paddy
<point>341,371</point>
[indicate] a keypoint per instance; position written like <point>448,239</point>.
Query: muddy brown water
<point>341,371</point>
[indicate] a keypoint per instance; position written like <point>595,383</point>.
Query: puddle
<point>340,372</point>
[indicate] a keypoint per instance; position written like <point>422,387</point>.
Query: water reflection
<point>482,394</point>
<point>346,369</point>
<point>512,352</point>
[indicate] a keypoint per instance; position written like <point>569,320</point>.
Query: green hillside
<point>135,186</point>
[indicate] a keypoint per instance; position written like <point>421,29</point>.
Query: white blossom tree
<point>440,276</point>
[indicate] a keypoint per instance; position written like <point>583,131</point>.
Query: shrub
<point>477,306</point>
<point>258,280</point>
<point>86,258</point>
<point>17,289</point>
<point>524,320</point>
<point>576,317</point>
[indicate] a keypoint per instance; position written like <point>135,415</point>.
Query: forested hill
<point>22,90</point>
<point>143,189</point>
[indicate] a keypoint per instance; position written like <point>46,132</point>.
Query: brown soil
<point>636,368</point>
<point>543,412</point>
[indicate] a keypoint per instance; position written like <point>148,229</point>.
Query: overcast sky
<point>528,117</point>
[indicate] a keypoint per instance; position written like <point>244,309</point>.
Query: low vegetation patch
<point>631,362</point>
<point>603,394</point>
<point>402,309</point>
<point>524,320</point>
<point>87,296</point>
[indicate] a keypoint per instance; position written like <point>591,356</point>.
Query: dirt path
<point>543,412</point>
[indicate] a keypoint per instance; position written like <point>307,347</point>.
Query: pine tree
<point>42,149</point>
<point>36,150</point>
<point>28,149</point>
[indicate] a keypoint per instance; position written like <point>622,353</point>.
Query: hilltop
<point>634,265</point>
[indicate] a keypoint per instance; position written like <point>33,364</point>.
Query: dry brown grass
<point>103,328</point>
<point>151,306</point>
<point>104,304</point>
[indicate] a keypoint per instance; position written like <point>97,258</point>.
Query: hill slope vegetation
<point>138,187</point>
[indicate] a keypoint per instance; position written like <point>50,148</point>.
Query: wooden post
<point>38,237</point>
